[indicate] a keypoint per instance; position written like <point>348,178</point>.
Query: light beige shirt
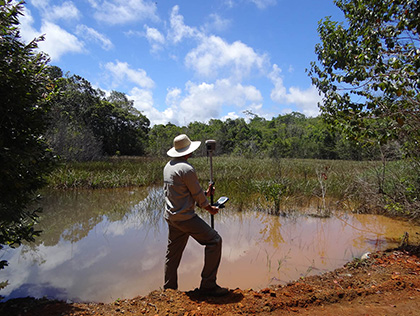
<point>182,190</point>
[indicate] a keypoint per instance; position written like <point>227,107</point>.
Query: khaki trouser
<point>177,240</point>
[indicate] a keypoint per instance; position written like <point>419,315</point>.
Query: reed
<point>110,173</point>
<point>284,184</point>
<point>240,176</point>
<point>278,185</point>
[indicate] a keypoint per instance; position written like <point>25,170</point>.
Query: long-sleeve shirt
<point>182,190</point>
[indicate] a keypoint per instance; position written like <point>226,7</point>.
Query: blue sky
<point>183,61</point>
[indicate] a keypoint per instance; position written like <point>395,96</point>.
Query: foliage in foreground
<point>24,157</point>
<point>368,71</point>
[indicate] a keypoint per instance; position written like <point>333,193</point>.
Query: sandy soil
<point>387,283</point>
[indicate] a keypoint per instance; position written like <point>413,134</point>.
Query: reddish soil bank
<point>387,283</point>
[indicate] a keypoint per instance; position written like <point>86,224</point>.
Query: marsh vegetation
<point>280,185</point>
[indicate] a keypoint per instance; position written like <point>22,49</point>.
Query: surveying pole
<point>211,147</point>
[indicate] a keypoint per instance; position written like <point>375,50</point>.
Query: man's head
<point>183,146</point>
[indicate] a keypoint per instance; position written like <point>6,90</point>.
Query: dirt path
<point>387,283</point>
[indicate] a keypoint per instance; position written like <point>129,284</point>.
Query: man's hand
<point>210,190</point>
<point>213,210</point>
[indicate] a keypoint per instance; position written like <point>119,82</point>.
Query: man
<point>182,192</point>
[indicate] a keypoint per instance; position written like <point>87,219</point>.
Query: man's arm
<point>197,192</point>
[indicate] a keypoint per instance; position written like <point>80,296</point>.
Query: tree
<point>161,138</point>
<point>130,127</point>
<point>368,71</point>
<point>71,135</point>
<point>24,155</point>
<point>87,124</point>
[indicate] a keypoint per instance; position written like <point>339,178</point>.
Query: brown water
<point>107,244</point>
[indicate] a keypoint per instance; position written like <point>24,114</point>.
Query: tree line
<point>286,136</point>
<point>87,124</point>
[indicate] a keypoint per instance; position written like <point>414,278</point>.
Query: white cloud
<point>66,11</point>
<point>179,30</point>
<point>173,96</point>
<point>93,35</point>
<point>122,71</point>
<point>205,101</point>
<point>216,23</point>
<point>143,101</point>
<point>57,40</point>
<point>279,92</point>
<point>230,115</point>
<point>200,102</point>
<point>155,38</point>
<point>215,57</point>
<point>154,35</point>
<point>26,21</point>
<point>124,11</point>
<point>306,100</point>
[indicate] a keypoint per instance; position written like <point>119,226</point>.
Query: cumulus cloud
<point>215,57</point>
<point>155,38</point>
<point>66,11</point>
<point>122,71</point>
<point>197,102</point>
<point>124,11</point>
<point>222,92</point>
<point>179,30</point>
<point>306,100</point>
<point>57,40</point>
<point>173,96</point>
<point>143,101</point>
<point>90,34</point>
<point>205,100</point>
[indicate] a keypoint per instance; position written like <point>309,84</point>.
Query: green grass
<point>111,173</point>
<point>281,185</point>
<point>285,183</point>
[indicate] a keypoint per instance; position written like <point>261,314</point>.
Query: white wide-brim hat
<point>182,146</point>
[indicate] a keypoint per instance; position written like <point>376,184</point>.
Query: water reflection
<point>107,244</point>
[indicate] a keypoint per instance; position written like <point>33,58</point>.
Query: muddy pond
<point>105,245</point>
